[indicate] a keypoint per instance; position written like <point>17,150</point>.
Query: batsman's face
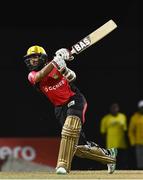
<point>34,61</point>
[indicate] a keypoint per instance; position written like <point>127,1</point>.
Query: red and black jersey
<point>54,86</point>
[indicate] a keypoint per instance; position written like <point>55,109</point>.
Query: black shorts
<point>75,106</point>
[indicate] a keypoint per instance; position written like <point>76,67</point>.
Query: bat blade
<point>94,37</point>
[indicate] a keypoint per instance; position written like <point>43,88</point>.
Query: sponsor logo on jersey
<point>71,103</point>
<point>52,88</point>
<point>55,76</point>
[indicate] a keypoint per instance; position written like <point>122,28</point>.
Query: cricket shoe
<point>112,167</point>
<point>61,170</point>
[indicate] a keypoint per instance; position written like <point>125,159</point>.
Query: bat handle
<point>73,51</point>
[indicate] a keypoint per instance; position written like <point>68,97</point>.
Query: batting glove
<point>65,54</point>
<point>59,63</point>
<point>69,74</point>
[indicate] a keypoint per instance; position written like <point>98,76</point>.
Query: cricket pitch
<point>99,175</point>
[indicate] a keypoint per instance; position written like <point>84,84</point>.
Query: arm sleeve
<point>125,123</point>
<point>103,125</point>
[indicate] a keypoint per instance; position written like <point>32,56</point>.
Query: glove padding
<point>68,74</point>
<point>59,63</point>
<point>65,54</point>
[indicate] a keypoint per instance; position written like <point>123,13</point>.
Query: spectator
<point>114,129</point>
<point>135,134</point>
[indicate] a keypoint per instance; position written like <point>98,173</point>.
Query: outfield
<point>99,175</point>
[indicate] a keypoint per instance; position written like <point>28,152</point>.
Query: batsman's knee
<point>72,127</point>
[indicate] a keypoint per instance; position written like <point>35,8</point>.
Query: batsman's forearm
<point>44,71</point>
<point>47,69</point>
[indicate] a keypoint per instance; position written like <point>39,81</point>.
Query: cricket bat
<point>93,37</point>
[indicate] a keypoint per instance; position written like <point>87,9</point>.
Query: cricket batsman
<point>56,81</point>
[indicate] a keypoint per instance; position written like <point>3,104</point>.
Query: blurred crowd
<point>126,134</point>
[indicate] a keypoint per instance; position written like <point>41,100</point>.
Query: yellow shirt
<point>114,127</point>
<point>135,132</point>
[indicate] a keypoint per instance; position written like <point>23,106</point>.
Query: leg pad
<point>70,136</point>
<point>94,153</point>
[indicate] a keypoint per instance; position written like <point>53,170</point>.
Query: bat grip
<point>73,51</point>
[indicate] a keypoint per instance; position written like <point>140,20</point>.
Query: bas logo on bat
<point>81,45</point>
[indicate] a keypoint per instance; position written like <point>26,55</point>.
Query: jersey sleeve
<point>131,131</point>
<point>32,77</point>
<point>125,122</point>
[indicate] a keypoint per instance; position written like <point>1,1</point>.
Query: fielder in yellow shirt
<point>114,128</point>
<point>135,134</point>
